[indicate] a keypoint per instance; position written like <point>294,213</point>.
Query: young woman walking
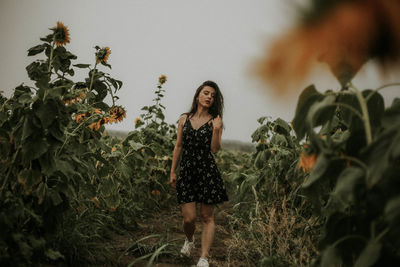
<point>199,181</point>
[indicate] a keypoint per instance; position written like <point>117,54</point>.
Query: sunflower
<point>155,193</point>
<point>162,79</point>
<point>79,117</point>
<point>96,125</point>
<point>307,162</point>
<point>138,122</point>
<point>117,113</point>
<point>61,34</point>
<point>96,202</point>
<point>103,54</point>
<point>78,97</point>
<point>345,37</point>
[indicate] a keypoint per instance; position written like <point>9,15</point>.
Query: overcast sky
<point>189,41</point>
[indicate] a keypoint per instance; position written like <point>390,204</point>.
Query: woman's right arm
<point>177,151</point>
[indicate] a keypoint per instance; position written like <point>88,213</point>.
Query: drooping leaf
<point>82,66</point>
<point>347,182</point>
<point>309,96</point>
<point>330,257</point>
<point>36,49</point>
<point>369,255</point>
<point>392,210</point>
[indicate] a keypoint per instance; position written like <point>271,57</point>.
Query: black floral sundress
<point>199,178</point>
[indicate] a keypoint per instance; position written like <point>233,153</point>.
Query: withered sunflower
<point>61,34</point>
<point>117,113</point>
<point>307,162</point>
<point>103,54</point>
<point>137,120</point>
<point>162,79</point>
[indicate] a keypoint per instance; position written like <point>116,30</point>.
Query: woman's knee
<point>207,218</point>
<point>189,219</point>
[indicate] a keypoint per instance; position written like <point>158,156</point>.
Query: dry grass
<point>275,236</point>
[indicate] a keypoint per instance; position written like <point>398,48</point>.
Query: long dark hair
<point>217,107</point>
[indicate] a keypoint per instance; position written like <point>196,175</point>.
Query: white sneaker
<point>203,262</point>
<point>187,247</point>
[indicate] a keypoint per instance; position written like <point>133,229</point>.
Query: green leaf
<point>136,146</point>
<point>347,181</point>
<point>318,171</point>
<point>281,127</point>
<point>29,179</point>
<point>28,128</point>
<point>41,192</point>
<point>320,112</point>
<point>330,257</point>
<point>392,210</point>
<point>33,148</point>
<point>54,254</point>
<point>82,66</point>
<point>309,96</point>
<point>369,255</point>
<point>36,49</point>
<point>46,112</point>
<point>55,198</point>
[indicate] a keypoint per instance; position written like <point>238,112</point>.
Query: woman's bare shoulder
<point>182,118</point>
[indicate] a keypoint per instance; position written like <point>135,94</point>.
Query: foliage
<point>64,186</point>
<point>354,183</point>
<point>270,223</point>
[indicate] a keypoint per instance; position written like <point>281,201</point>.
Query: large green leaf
<point>392,210</point>
<point>321,112</point>
<point>348,179</point>
<point>29,179</point>
<point>369,255</point>
<point>33,148</point>
<point>330,257</point>
<point>36,49</point>
<point>46,112</point>
<point>309,96</point>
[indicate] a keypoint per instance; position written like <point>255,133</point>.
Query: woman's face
<point>206,96</point>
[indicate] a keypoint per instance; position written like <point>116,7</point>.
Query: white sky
<point>189,41</point>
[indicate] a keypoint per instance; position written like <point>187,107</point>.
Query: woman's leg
<point>189,219</point>
<point>208,226</point>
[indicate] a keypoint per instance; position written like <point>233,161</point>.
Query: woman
<point>199,135</point>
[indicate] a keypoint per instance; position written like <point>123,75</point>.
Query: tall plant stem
<point>92,78</point>
<point>51,55</point>
<point>365,114</point>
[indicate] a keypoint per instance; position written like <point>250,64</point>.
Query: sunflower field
<point>321,190</point>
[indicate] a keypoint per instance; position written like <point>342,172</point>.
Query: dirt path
<point>167,225</point>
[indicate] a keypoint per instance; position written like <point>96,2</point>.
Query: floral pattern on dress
<point>199,179</point>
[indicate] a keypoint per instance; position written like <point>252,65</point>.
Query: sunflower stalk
<point>73,132</point>
<point>92,78</point>
<point>51,55</point>
<point>365,114</point>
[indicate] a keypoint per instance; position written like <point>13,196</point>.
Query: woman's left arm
<point>216,135</point>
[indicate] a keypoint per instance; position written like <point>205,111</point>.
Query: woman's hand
<point>217,123</point>
<point>172,179</point>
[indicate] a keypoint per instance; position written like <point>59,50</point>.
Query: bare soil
<point>168,226</point>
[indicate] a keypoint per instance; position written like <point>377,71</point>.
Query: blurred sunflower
<point>117,113</point>
<point>343,34</point>
<point>95,126</point>
<point>103,54</point>
<point>155,193</point>
<point>138,122</point>
<point>307,162</point>
<point>61,34</point>
<point>79,96</point>
<point>162,79</point>
<point>79,117</point>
